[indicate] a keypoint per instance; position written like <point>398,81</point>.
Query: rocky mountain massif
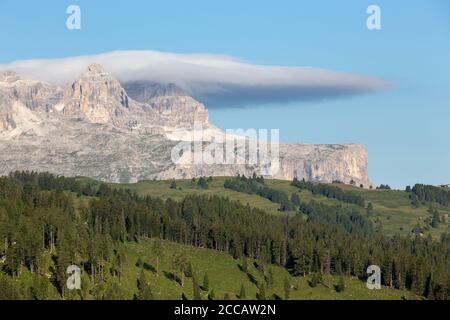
<point>100,128</point>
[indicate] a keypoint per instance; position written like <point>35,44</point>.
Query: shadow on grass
<point>149,267</point>
<point>172,277</point>
<point>252,279</point>
<point>276,297</point>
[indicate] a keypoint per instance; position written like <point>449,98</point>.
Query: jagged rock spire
<point>96,68</point>
<point>8,76</point>
<point>97,95</point>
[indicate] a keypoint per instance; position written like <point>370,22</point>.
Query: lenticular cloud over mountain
<point>219,81</point>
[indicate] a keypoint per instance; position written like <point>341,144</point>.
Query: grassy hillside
<point>393,208</point>
<point>226,277</point>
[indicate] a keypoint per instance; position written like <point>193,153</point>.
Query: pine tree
<point>103,190</point>
<point>140,262</point>
<point>340,287</point>
<point>295,199</point>
<point>8,289</point>
<point>436,219</point>
<point>189,270</point>
<point>270,279</point>
<point>212,295</point>
<point>287,288</point>
<point>244,265</point>
<point>180,263</point>
<point>316,280</point>
<point>205,282</point>
<point>113,291</point>
<point>144,290</point>
<point>39,288</point>
<point>202,183</point>
<point>415,201</point>
<point>88,191</point>
<point>369,209</point>
<point>242,294</point>
<point>262,292</point>
<point>158,253</point>
<point>196,288</point>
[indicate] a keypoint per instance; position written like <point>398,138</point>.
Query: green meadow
<point>391,207</point>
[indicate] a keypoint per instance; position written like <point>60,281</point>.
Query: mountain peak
<point>96,73</point>
<point>8,76</point>
<point>175,106</point>
<point>97,95</point>
<point>143,91</point>
<point>168,90</point>
<point>96,68</point>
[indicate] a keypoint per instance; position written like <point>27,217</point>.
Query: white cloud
<point>215,79</point>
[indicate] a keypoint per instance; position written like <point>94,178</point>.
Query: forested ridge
<point>255,185</point>
<point>349,219</point>
<point>38,214</point>
<point>432,194</point>
<point>329,191</point>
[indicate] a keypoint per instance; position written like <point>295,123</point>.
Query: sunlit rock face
<point>96,95</point>
<point>173,105</point>
<point>95,127</point>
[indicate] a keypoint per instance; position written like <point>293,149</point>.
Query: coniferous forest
<point>255,185</point>
<point>39,213</point>
<point>329,191</point>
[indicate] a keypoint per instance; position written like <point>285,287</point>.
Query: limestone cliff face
<point>174,107</point>
<point>6,117</point>
<point>96,95</point>
<point>33,94</point>
<point>19,98</point>
<point>326,163</point>
<point>318,163</point>
<point>95,127</point>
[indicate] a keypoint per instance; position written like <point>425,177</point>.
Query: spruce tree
<point>415,201</point>
<point>189,270</point>
<point>369,209</point>
<point>244,265</point>
<point>39,288</point>
<point>436,219</point>
<point>144,290</point>
<point>157,252</point>
<point>242,294</point>
<point>287,288</point>
<point>212,295</point>
<point>295,199</point>
<point>205,282</point>
<point>140,262</point>
<point>270,279</point>
<point>340,287</point>
<point>196,288</point>
<point>262,292</point>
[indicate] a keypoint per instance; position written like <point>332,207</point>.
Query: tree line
<point>256,185</point>
<point>329,191</point>
<point>431,194</point>
<point>349,219</point>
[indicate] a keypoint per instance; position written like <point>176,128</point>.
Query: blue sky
<point>406,129</point>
